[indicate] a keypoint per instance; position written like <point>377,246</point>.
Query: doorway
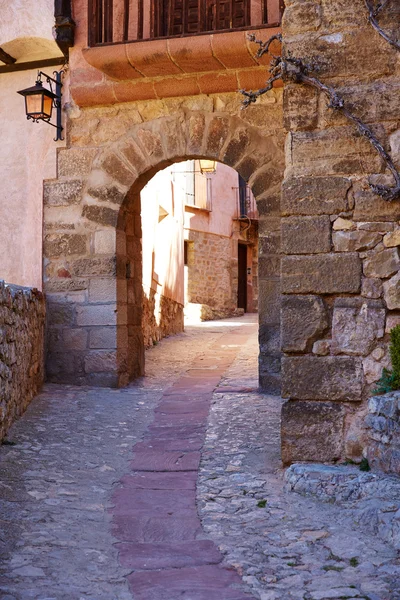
<point>242,276</point>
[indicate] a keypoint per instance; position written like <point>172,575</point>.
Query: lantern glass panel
<point>47,106</point>
<point>207,166</point>
<point>34,105</point>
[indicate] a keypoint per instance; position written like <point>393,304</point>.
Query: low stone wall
<point>372,498</point>
<point>383,433</point>
<point>22,321</point>
<point>161,317</point>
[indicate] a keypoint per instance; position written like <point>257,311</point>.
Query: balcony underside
<point>202,64</point>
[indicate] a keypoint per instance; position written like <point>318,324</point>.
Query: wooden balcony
<point>123,21</point>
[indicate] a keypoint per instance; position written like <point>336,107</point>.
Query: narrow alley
<point>171,489</point>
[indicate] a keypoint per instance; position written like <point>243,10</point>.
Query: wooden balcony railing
<point>120,21</point>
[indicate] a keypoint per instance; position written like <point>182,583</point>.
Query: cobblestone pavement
<point>284,545</point>
<point>82,518</point>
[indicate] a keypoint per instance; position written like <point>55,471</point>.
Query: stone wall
<point>161,317</point>
<point>212,271</point>
<point>383,433</point>
<point>22,321</point>
<point>340,268</point>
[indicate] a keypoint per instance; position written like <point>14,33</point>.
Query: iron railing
<point>120,21</point>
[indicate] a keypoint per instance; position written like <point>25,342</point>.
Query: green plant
<point>262,504</point>
<point>354,561</point>
<point>364,465</point>
<point>390,380</point>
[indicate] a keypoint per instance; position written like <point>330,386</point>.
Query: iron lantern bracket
<point>56,81</point>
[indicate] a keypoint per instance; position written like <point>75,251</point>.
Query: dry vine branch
<point>373,14</point>
<point>296,70</point>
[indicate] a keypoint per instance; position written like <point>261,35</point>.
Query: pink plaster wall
<point>27,157</point>
<point>162,240</point>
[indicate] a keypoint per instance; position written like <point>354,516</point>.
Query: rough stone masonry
<point>340,263</point>
<point>22,319</point>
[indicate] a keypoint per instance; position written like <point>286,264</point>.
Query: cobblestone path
<point>84,517</point>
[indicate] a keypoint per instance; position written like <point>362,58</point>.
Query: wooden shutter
<point>184,17</point>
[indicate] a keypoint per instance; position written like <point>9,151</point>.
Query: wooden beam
<point>27,66</point>
<point>6,58</point>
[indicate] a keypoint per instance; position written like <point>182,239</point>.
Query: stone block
<point>75,339</point>
<point>300,108</point>
<point>312,431</point>
<point>269,337</point>
<point>103,337</point>
<point>301,17</point>
<point>303,320</point>
<point>355,241</point>
<point>237,147</point>
<point>269,266</point>
<point>382,264</point>
<point>392,239</point>
<point>217,134</point>
<point>371,287</point>
<point>336,378</point>
<point>370,207</point>
<point>270,243</point>
<point>315,195</point>
<point>62,193</point>
<point>101,214</point>
<point>321,274</point>
<point>391,290</point>
<point>96,314</point>
<point>306,235</point>
<point>356,329</point>
<point>75,162</point>
<point>322,347</point>
<point>332,151</point>
<point>93,266</point>
<point>195,134</point>
<point>114,166</point>
<point>64,244</point>
<point>270,203</point>
<point>269,299</point>
<point>341,224</point>
<point>107,193</point>
<point>103,289</point>
<point>99,361</point>
<point>60,313</point>
<point>134,155</point>
<point>105,242</point>
<point>151,143</point>
<point>265,179</point>
<point>338,54</point>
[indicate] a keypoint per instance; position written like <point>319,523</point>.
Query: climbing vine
<point>292,69</point>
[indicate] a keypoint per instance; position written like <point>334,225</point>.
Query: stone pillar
<point>333,229</point>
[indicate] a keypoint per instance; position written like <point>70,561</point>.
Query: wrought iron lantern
<point>40,101</point>
<point>207,166</point>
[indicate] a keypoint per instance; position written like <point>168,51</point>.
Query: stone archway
<point>92,326</point>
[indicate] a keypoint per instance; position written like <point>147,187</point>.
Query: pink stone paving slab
<point>154,510</point>
<point>160,432</point>
<point>168,556</point>
<point>169,445</point>
<point>183,407</point>
<point>189,583</point>
<point>174,419</point>
<point>161,481</point>
<point>153,501</point>
<point>134,527</point>
<point>157,460</point>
